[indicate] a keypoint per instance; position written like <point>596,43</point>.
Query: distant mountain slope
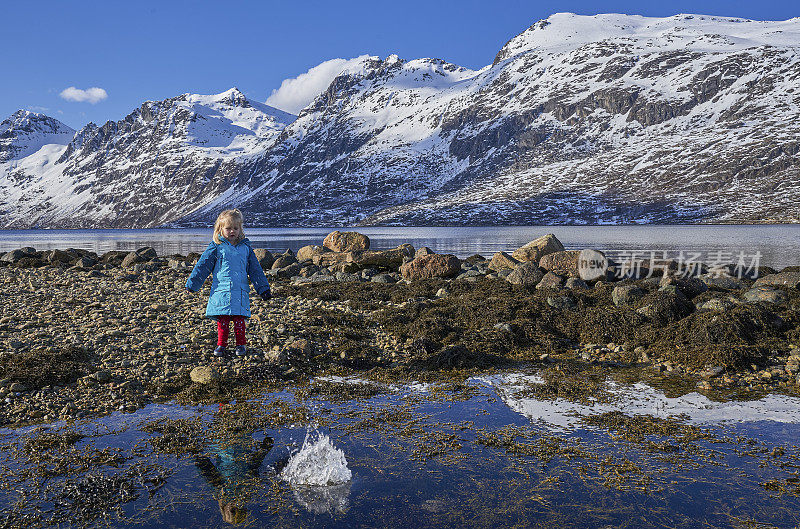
<point>603,119</point>
<point>161,161</point>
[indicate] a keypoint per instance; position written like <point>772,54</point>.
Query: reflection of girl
<point>234,464</point>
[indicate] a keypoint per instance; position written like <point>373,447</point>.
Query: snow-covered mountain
<point>579,119</point>
<point>163,160</point>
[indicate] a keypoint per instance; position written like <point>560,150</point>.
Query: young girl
<point>231,261</point>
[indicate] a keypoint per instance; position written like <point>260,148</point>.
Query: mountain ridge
<point>578,120</point>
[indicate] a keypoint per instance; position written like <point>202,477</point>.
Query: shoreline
<point>85,334</point>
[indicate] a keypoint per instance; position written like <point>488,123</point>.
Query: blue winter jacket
<point>230,265</point>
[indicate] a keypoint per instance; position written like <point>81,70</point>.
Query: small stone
<point>204,374</point>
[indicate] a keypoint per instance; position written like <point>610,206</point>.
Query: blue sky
<point>136,51</point>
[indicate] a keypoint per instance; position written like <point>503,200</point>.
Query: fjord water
<point>488,455</point>
<point>778,244</point>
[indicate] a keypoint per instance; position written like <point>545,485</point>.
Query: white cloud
<point>35,108</point>
<point>296,93</point>
<point>90,95</point>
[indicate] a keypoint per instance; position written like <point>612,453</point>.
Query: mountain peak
<point>25,132</point>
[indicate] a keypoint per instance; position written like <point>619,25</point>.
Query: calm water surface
<point>493,457</point>
<point>778,245</point>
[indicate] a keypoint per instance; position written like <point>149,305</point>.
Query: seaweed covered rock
<point>431,266</point>
<point>766,295</point>
<point>538,248</point>
<point>627,294</point>
<point>787,278</point>
<point>663,308</point>
<point>346,241</point>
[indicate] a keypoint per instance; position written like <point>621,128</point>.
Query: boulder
<point>204,375</point>
<point>563,263</point>
<point>526,274</point>
<point>721,281</point>
<point>383,259</point>
<point>537,248</point>
<point>765,294</point>
<point>307,253</point>
<point>627,294</point>
<point>562,302</point>
<point>113,257</point>
<point>573,283</point>
<point>14,255</point>
<point>429,266</point>
<point>283,261</point>
<point>788,278</point>
<point>423,251</point>
<point>265,258</point>
<point>592,264</point>
<point>666,307</point>
<point>502,261</point>
<point>719,304</point>
<point>58,256</point>
<point>550,281</point>
<point>386,279</point>
<point>346,241</point>
<point>142,255</point>
<point>689,287</point>
<point>289,271</point>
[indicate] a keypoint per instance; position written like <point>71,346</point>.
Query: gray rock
<point>765,294</point>
<point>787,278</point>
<point>627,294</point>
<point>562,303</point>
<point>719,304</point>
<point>346,277</point>
<point>526,274</point>
<point>283,261</point>
<point>721,282</point>
<point>574,283</point>
<point>265,258</point>
<point>290,270</point>
<point>387,279</point>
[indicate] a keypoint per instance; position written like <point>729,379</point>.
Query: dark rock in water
<point>562,303</point>
<point>786,278</point>
<point>666,307</point>
<point>430,266</point>
<point>538,248</point>
<point>347,241</point>
<point>283,261</point>
<point>551,281</point>
<point>689,287</point>
<point>721,282</point>
<point>526,274</point>
<point>627,294</point>
<point>765,294</point>
<point>502,261</point>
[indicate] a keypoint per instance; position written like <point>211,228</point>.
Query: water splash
<point>317,463</point>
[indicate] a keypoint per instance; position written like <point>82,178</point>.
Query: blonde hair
<point>227,217</point>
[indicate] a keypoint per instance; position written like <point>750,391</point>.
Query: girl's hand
<point>267,295</point>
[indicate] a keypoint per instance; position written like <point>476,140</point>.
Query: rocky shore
<point>84,334</point>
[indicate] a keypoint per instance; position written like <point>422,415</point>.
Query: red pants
<point>223,328</point>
